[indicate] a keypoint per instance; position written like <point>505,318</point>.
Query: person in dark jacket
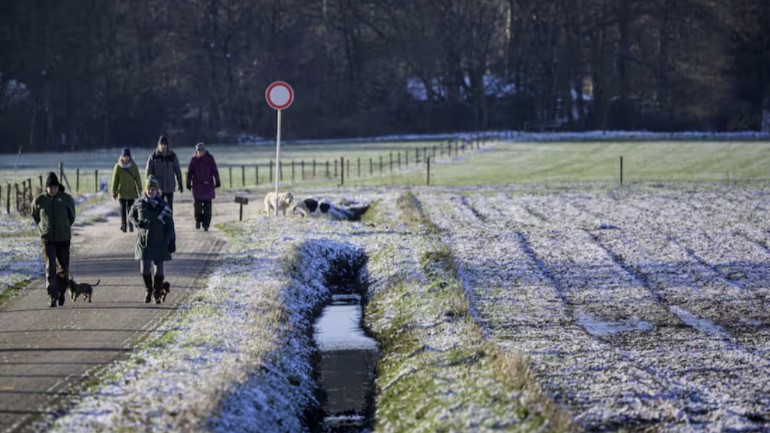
<point>126,186</point>
<point>54,214</point>
<point>164,165</point>
<point>156,238</point>
<point>202,180</point>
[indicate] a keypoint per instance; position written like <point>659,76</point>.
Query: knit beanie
<point>163,140</point>
<point>152,182</point>
<point>52,180</point>
<point>126,152</point>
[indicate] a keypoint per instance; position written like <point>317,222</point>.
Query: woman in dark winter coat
<point>126,186</point>
<point>156,238</point>
<point>202,179</point>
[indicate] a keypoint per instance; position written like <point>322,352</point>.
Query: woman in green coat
<point>156,238</point>
<point>126,186</point>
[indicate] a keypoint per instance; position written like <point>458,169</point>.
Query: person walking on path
<point>126,186</point>
<point>202,180</point>
<point>156,238</point>
<point>54,214</point>
<point>164,165</point>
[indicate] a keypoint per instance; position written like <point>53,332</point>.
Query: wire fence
<point>19,195</point>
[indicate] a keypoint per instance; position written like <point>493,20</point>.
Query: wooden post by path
<point>8,200</point>
<point>342,171</point>
<point>621,170</point>
<point>427,162</point>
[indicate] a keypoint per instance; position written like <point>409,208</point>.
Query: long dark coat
<point>155,234</point>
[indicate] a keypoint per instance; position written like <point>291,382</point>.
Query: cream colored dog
<point>284,201</point>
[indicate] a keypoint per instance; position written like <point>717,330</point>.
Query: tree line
<point>78,74</point>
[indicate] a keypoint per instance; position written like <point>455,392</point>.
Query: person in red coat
<point>202,180</point>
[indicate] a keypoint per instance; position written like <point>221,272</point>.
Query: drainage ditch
<point>347,356</point>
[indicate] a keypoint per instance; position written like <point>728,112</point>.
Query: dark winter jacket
<point>126,182</point>
<point>54,216</point>
<point>156,238</point>
<point>203,177</point>
<point>164,168</point>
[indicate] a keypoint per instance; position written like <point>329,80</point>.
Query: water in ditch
<point>347,365</point>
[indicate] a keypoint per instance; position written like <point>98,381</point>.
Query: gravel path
<point>45,352</point>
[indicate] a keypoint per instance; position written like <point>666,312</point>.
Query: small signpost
<point>242,201</point>
<point>279,96</point>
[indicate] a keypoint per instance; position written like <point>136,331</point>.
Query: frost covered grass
<point>637,306</point>
<point>239,357</point>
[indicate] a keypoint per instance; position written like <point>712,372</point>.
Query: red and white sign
<point>279,95</point>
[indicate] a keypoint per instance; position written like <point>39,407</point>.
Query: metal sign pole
<point>277,159</point>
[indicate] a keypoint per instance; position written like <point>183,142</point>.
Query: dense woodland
<point>93,73</point>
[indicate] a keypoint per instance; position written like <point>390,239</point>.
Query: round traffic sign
<point>279,95</point>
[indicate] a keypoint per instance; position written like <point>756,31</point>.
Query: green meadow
<point>394,163</point>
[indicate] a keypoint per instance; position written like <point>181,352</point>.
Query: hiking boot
<point>123,229</point>
<point>53,302</point>
<point>61,297</point>
<point>131,228</point>
<point>197,225</point>
<point>148,285</point>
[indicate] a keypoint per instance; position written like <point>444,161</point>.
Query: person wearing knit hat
<point>156,238</point>
<point>126,186</point>
<point>54,213</point>
<point>164,165</point>
<point>202,180</point>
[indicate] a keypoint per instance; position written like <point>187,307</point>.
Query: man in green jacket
<point>54,214</point>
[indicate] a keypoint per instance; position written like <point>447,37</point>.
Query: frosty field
<point>638,308</point>
<point>525,292</point>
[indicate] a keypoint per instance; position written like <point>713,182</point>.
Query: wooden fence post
<point>230,170</point>
<point>96,181</point>
<point>371,167</point>
<point>342,171</point>
<point>292,170</point>
<point>621,170</point>
<point>427,160</point>
<point>390,161</point>
<point>256,174</point>
<point>8,200</point>
<point>243,176</point>
<point>302,167</point>
<point>399,160</point>
<point>77,181</point>
<point>314,168</point>
<point>359,166</point>
<point>380,164</point>
<point>328,174</point>
<point>271,171</point>
<point>16,193</point>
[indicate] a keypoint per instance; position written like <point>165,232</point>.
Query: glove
<point>189,187</point>
<point>114,195</point>
<point>181,189</point>
<point>217,185</point>
<point>171,246</point>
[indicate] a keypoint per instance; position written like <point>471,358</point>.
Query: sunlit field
<point>394,163</point>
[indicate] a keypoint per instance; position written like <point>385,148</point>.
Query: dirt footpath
<point>46,353</point>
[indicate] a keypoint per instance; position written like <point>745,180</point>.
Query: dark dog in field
<point>164,290</point>
<point>323,208</point>
<point>77,289</point>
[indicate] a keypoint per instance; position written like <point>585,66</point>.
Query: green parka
<point>156,237</point>
<point>126,182</point>
<point>54,216</point>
